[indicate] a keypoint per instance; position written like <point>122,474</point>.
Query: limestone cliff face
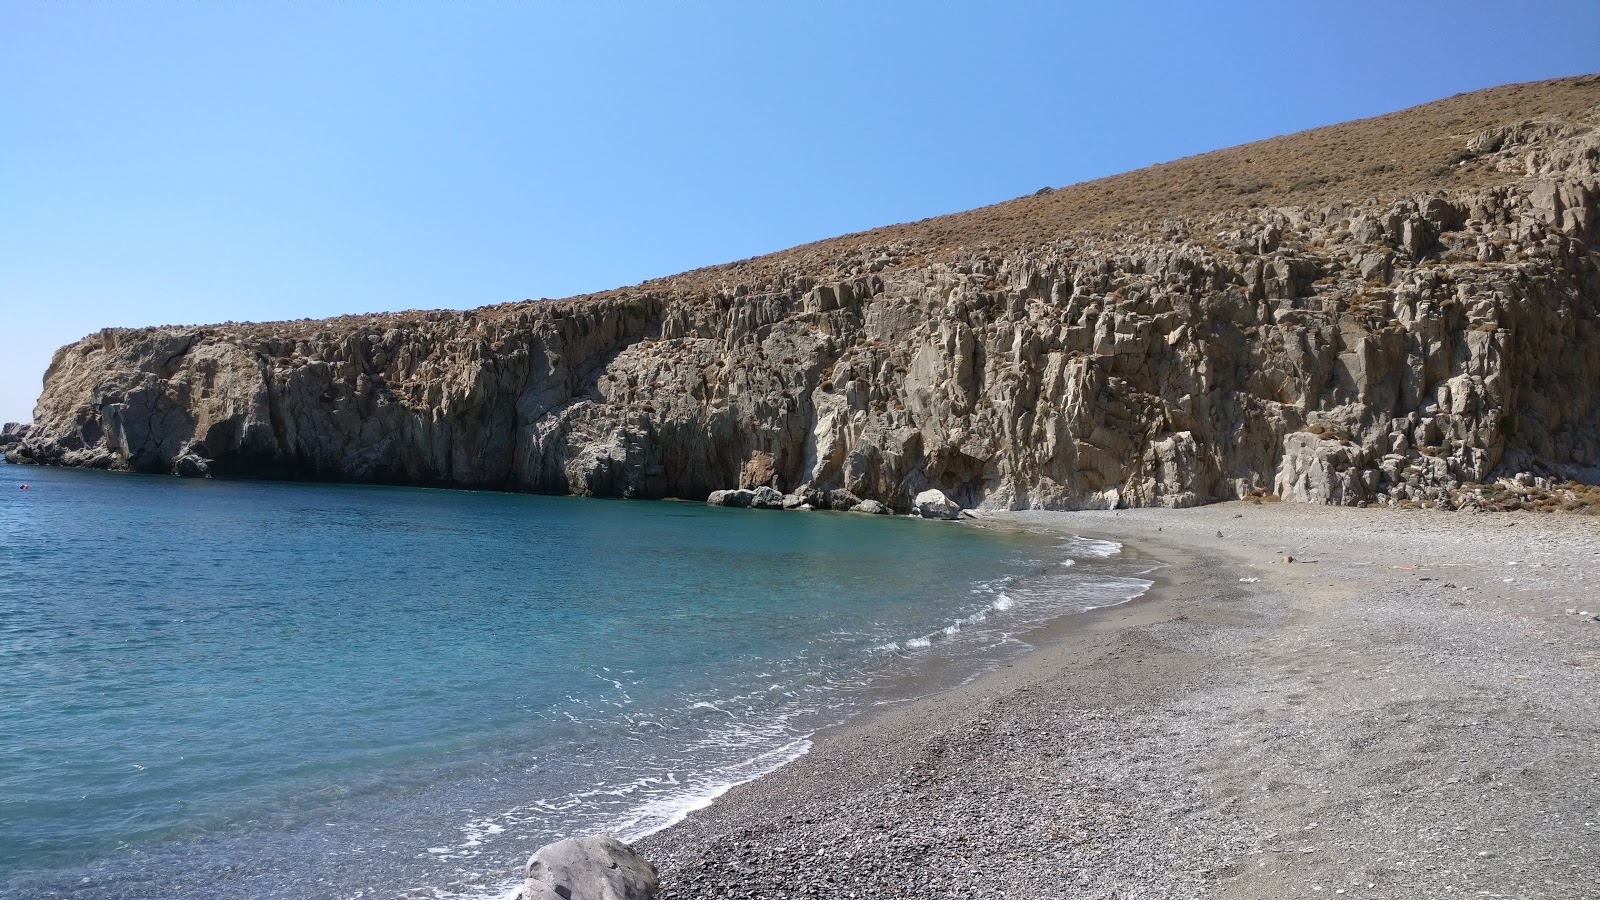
<point>1370,350</point>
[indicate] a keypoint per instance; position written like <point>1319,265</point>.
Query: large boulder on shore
<point>766,498</point>
<point>841,500</point>
<point>191,465</point>
<point>933,504</point>
<point>871,507</point>
<point>738,497</point>
<point>744,498</point>
<point>598,867</point>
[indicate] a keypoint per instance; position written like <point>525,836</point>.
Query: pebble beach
<point>1312,701</point>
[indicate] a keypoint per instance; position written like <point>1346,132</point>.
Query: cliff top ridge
<point>1438,147</point>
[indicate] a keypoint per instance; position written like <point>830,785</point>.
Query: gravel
<point>1407,710</point>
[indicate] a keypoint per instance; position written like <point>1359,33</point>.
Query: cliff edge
<point>1386,311</point>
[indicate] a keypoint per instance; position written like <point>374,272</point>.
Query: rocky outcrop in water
<point>1369,350</point>
<point>11,436</point>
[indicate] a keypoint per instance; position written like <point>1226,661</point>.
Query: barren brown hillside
<point>1418,149</point>
<point>1423,148</point>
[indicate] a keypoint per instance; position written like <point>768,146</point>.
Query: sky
<point>188,162</point>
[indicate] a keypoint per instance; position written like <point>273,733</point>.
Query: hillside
<point>1393,310</point>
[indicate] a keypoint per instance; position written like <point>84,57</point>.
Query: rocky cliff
<point>1391,310</point>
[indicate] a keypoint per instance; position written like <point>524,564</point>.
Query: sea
<point>258,689</point>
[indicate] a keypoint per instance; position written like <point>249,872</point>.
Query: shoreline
<point>1345,723</point>
<point>935,675</point>
<point>1033,639</point>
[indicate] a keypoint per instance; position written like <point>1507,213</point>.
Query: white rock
<point>933,504</point>
<point>598,867</point>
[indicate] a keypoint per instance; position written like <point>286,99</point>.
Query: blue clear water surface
<point>267,689</point>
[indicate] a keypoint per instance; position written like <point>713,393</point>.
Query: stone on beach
<point>933,504</point>
<point>871,507</point>
<point>598,867</point>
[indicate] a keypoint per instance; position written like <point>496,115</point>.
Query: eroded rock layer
<point>1396,346</point>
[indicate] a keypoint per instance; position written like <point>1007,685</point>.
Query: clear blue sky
<point>198,162</point>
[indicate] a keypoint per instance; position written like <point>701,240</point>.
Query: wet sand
<point>1409,709</point>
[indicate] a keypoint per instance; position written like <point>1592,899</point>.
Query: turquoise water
<point>260,689</point>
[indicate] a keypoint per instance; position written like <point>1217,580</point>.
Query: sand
<point>1409,709</point>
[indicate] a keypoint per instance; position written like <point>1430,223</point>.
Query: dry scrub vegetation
<point>1536,495</point>
<point>1383,158</point>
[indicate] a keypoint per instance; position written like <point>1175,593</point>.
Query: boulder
<point>933,504</point>
<point>765,498</point>
<point>1316,469</point>
<point>191,465</point>
<point>738,497</point>
<point>841,500</point>
<point>598,867</point>
<point>871,507</point>
<point>745,498</point>
<point>11,437</point>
